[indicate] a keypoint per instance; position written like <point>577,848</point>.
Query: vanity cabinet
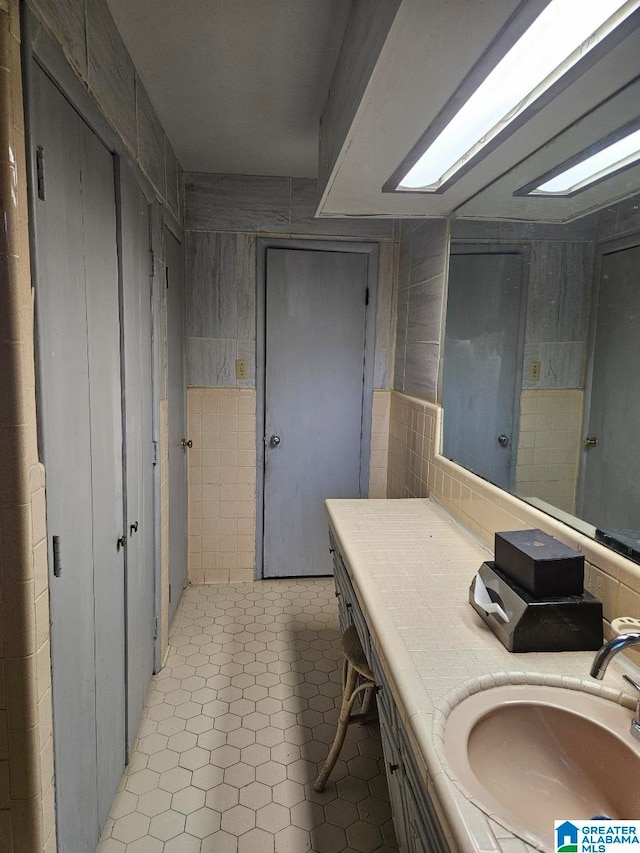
<point>414,816</point>
<point>349,612</point>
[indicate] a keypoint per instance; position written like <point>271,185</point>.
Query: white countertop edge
<point>423,719</point>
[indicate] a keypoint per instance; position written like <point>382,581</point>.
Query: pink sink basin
<point>530,755</point>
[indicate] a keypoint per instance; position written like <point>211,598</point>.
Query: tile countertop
<point>411,565</point>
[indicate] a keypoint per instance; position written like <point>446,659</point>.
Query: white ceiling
<point>239,85</point>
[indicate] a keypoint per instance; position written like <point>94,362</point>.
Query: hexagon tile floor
<point>236,727</point>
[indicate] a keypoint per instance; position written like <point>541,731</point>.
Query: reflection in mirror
<point>541,374</point>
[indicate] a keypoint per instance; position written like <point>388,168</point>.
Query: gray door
<point>482,354</point>
<point>177,422</point>
<point>105,409</point>
<point>81,440</point>
<point>610,485</point>
<point>136,281</point>
<point>315,336</point>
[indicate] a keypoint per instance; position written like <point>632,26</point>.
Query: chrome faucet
<point>602,660</point>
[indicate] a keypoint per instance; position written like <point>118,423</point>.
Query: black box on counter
<point>539,563</point>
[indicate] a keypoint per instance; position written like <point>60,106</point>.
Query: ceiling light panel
<point>559,37</point>
<point>605,162</point>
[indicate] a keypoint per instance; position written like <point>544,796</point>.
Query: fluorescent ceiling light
<point>561,35</point>
<point>615,156</point>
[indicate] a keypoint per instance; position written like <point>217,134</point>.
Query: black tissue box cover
<point>539,563</point>
<point>566,623</point>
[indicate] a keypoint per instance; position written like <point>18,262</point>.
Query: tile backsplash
<point>549,446</point>
<point>416,469</point>
<point>379,461</point>
<point>222,484</point>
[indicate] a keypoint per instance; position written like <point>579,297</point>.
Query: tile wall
<point>222,484</point>
<point>411,431</point>
<point>379,461</point>
<point>26,745</point>
<point>416,469</point>
<point>549,446</point>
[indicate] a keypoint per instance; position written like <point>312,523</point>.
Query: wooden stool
<point>354,668</point>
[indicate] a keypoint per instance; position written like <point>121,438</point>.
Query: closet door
<point>136,281</point>
<point>105,409</point>
<point>65,448</point>
<point>81,443</point>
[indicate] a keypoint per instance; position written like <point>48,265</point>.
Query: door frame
<point>468,247</point>
<point>174,597</point>
<point>606,247</point>
<point>371,251</point>
<point>159,223</point>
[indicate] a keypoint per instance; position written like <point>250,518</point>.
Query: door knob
<point>591,441</point>
<point>133,528</point>
<point>503,440</point>
<point>121,543</point>
<point>274,441</point>
<point>186,442</point>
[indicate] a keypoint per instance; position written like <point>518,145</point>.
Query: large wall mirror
<point>541,375</point>
<point>541,371</point>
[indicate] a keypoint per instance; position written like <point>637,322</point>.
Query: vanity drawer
<point>395,780</point>
<point>344,611</point>
<point>348,606</point>
<point>384,698</point>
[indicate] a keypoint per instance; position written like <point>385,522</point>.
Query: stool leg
<point>366,702</point>
<point>341,731</point>
<point>345,667</point>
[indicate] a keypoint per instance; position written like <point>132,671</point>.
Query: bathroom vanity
<point>402,574</point>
